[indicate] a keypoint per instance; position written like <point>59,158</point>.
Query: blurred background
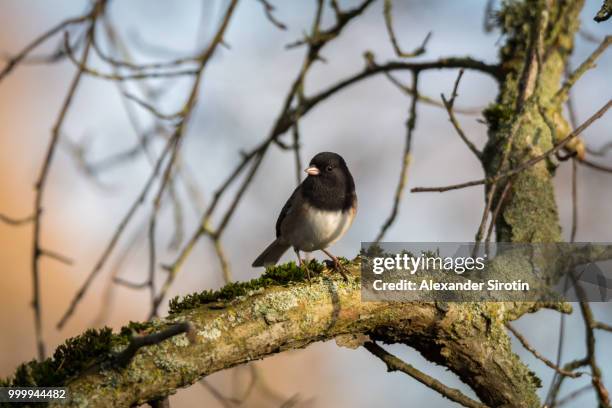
<point>242,93</point>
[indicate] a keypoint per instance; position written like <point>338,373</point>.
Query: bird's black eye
<point>329,168</point>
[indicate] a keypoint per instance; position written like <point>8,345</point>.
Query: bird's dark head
<point>329,181</point>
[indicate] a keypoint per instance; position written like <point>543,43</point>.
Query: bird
<point>318,213</point>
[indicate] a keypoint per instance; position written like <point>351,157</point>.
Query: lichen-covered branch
<point>530,213</point>
<point>281,311</point>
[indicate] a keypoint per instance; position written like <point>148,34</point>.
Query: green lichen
<point>282,275</point>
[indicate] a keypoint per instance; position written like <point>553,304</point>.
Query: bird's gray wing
<point>287,208</point>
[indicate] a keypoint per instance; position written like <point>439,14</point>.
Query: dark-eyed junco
<point>318,213</point>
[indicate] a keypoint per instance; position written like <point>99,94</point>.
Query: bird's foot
<point>337,266</point>
<point>303,264</point>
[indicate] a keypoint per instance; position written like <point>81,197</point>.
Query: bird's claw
<point>338,267</point>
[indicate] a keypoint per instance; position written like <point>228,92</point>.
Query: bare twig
<point>395,364</point>
<point>388,14</point>
<point>596,166</point>
<point>572,395</point>
<point>602,393</point>
<point>316,41</point>
<point>152,109</point>
<point>540,357</point>
<point>584,67</point>
<point>401,184</point>
<point>427,99</point>
<point>56,256</point>
<point>449,104</point>
<point>602,326</point>
<point>137,342</point>
<point>119,77</point>
<point>115,238</point>
<point>15,60</point>
<point>524,165</point>
<point>269,10</point>
<point>16,221</point>
<point>41,184</point>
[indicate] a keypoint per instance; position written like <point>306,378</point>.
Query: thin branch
<point>119,77</point>
<point>584,67</point>
<point>16,221</point>
<point>427,99</point>
<point>559,379</point>
<point>524,165</point>
<point>116,63</point>
<point>316,41</point>
<point>130,285</point>
<point>596,166</point>
<point>152,109</point>
<point>449,104</point>
<point>56,256</point>
<point>117,234</point>
<point>153,217</point>
<point>40,185</point>
<point>602,326</point>
<point>540,357</point>
<point>401,184</point>
<point>572,395</point>
<point>602,393</point>
<point>551,396</point>
<point>171,146</point>
<point>602,151</point>
<point>269,10</point>
<point>19,57</point>
<point>388,14</point>
<point>137,342</point>
<point>395,364</point>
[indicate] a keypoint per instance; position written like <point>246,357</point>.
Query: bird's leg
<point>304,264</point>
<point>337,265</point>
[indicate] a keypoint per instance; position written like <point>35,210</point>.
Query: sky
<point>241,95</point>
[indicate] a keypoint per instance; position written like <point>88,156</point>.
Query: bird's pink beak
<point>312,171</point>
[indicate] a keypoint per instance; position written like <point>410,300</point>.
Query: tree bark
<point>468,338</point>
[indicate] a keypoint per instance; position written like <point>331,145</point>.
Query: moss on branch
<point>280,311</point>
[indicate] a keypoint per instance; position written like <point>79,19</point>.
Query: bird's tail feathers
<point>271,254</point>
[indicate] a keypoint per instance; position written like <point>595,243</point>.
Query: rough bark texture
<point>530,212</point>
<point>468,338</point>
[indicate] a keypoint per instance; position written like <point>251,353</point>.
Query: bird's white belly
<point>319,229</point>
